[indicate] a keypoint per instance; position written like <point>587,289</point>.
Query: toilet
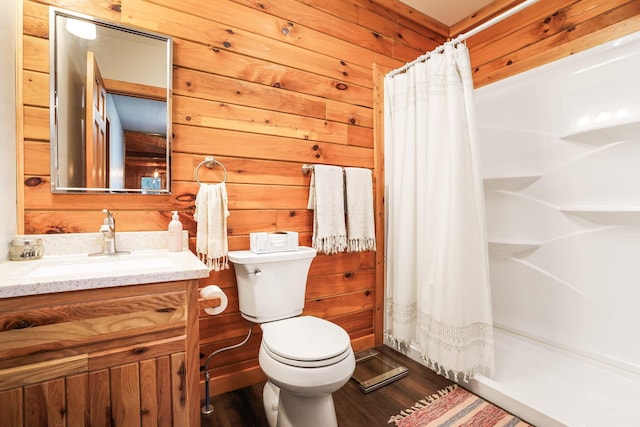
<point>304,358</point>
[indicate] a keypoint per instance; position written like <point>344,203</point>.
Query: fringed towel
<point>360,221</point>
<point>326,198</point>
<point>211,233</point>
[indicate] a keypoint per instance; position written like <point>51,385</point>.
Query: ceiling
<point>141,115</point>
<point>448,12</point>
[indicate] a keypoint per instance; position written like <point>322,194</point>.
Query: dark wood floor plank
<point>244,408</point>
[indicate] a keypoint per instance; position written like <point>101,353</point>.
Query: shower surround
<point>560,153</point>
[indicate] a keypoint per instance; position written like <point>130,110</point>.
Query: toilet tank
<point>271,286</point>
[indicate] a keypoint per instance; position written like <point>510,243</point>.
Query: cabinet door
<point>77,399</point>
<point>12,407</point>
<point>147,393</point>
<point>62,402</point>
<point>45,404</point>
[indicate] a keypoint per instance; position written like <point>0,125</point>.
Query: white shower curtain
<point>437,281</point>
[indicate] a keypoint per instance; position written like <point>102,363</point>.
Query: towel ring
<point>210,162</point>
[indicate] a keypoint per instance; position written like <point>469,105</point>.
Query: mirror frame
<point>55,12</point>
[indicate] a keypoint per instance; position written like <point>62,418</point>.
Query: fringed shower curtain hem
<point>483,367</point>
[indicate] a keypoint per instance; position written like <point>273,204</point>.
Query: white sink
<point>80,265</point>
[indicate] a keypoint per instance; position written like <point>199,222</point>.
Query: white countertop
<point>66,265</point>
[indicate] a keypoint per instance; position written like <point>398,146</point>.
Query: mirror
<point>110,107</point>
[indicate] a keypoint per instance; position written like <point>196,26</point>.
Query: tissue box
<point>264,243</point>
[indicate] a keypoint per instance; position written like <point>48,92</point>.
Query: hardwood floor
<point>243,408</point>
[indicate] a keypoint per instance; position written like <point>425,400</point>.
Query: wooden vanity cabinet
<point>123,356</point>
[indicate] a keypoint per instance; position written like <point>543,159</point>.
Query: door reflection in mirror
<point>110,106</point>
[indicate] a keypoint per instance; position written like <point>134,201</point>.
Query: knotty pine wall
<point>267,86</point>
<point>544,32</point>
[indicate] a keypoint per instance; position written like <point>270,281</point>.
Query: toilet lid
<point>305,341</point>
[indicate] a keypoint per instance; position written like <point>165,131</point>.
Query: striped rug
<point>455,407</point>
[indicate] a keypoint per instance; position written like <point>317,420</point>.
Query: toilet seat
<point>305,341</point>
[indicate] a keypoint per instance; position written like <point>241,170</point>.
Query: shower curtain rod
<point>462,37</point>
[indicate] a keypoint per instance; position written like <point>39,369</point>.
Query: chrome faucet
<point>108,230</point>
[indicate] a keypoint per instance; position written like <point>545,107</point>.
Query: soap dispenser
<point>175,233</point>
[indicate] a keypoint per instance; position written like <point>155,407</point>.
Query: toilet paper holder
<point>209,302</point>
<point>212,300</point>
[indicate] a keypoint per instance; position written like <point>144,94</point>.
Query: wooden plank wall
<point>544,32</point>
<point>266,86</point>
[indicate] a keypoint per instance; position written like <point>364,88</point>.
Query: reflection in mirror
<point>110,107</point>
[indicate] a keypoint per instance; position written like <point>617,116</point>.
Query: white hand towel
<point>360,221</point>
<point>326,198</point>
<point>211,232</point>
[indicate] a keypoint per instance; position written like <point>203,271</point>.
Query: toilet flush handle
<point>256,272</point>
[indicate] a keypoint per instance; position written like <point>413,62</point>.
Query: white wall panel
<point>559,150</point>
